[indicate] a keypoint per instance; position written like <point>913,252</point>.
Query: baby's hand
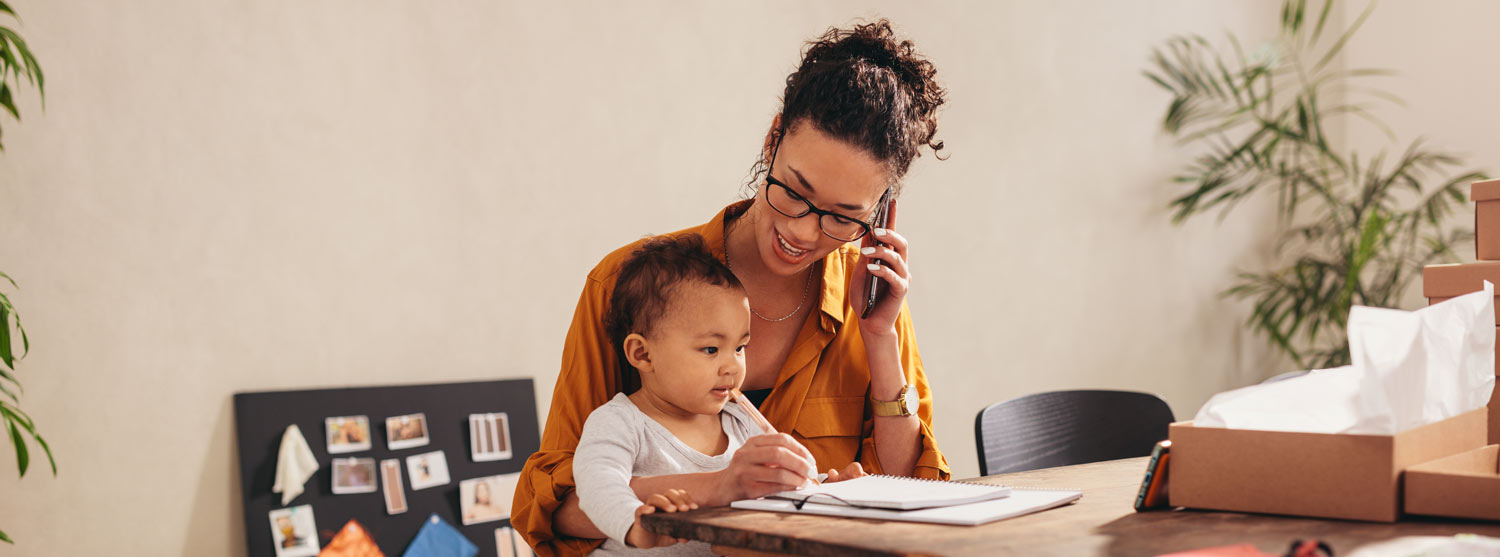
<point>853,470</point>
<point>672,500</point>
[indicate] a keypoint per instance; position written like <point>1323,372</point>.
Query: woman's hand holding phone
<point>882,275</point>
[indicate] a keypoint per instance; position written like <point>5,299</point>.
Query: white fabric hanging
<point>294,464</point>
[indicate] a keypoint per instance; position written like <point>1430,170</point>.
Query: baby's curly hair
<point>865,86</point>
<point>651,276</point>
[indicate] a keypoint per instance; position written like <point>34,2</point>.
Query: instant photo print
<point>353,475</point>
<point>489,437</point>
<point>395,491</point>
<point>405,432</point>
<point>487,499</point>
<point>504,546</point>
<point>427,470</point>
<point>347,434</point>
<point>294,532</point>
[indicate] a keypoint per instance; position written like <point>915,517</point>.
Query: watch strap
<point>896,407</point>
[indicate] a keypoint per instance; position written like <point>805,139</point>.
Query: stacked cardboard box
<point>1442,282</point>
<point>1440,469</point>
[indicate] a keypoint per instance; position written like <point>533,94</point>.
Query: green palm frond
<point>17,63</point>
<point>1353,230</point>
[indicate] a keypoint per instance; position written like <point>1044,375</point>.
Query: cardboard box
<point>1486,197</point>
<point>1442,282</point>
<point>1494,406</point>
<point>1356,477</point>
<point>1465,485</point>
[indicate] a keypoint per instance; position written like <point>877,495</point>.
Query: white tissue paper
<point>1410,368</point>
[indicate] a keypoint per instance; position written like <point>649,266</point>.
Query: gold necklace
<point>805,288</point>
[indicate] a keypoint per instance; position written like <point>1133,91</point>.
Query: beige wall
<point>228,196</point>
<point>1446,56</point>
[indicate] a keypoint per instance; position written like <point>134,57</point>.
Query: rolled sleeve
<point>546,481</point>
<point>587,380</point>
<point>931,463</point>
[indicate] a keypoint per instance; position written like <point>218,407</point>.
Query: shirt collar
<point>832,300</point>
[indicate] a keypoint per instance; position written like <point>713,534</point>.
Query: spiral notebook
<point>896,493</point>
<point>1018,502</point>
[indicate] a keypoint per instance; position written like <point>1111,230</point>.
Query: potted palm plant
<point>1352,228</point>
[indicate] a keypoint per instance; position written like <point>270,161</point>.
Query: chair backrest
<point>1061,428</point>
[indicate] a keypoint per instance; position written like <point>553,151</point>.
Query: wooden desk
<point>1102,523</point>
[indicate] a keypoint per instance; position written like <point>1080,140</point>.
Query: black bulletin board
<point>261,418</point>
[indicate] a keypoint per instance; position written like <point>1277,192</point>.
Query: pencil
<point>765,425</point>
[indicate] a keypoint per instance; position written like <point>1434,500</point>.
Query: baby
<point>682,320</point>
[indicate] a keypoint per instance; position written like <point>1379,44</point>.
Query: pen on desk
<point>765,425</point>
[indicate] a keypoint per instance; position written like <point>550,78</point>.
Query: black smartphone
<point>885,217</point>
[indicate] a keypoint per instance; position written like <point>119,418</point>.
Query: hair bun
<point>866,86</point>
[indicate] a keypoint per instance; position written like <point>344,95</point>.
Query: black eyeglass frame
<point>770,181</point>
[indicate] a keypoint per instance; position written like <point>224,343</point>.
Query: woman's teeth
<point>788,247</point>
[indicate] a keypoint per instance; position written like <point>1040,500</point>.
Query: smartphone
<point>1153,494</point>
<point>885,217</point>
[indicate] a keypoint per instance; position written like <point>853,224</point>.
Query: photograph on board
<point>347,434</point>
<point>489,437</point>
<point>353,475</point>
<point>294,532</point>
<point>487,499</point>
<point>427,470</point>
<point>395,490</point>
<point>504,546</point>
<point>405,432</point>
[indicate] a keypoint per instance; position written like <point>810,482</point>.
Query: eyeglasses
<point>789,203</point>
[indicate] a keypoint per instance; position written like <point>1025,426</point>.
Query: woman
<point>848,391</point>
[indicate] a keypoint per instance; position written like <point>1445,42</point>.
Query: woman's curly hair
<point>864,86</point>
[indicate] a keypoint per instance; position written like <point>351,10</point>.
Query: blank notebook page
<point>895,492</point>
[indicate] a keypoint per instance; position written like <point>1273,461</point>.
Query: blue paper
<point>437,538</point>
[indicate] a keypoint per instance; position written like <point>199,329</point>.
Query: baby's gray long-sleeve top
<point>620,442</point>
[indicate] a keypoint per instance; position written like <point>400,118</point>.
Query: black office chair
<point>1068,427</point>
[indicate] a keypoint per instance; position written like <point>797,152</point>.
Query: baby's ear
<point>638,353</point>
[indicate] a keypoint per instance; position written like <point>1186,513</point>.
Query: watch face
<point>910,401</point>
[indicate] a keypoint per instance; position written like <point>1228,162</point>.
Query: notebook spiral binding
<point>910,479</point>
<point>1013,487</point>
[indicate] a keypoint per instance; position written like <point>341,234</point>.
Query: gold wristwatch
<point>904,405</point>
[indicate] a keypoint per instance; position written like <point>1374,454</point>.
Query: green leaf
<point>23,459</point>
<point>8,102</point>
<point>9,377</point>
<point>48,451</point>
<point>5,538</point>
<point>25,341</point>
<point>1322,19</point>
<point>1369,234</point>
<point>1338,45</point>
<point>31,68</point>
<point>6,357</point>
<point>20,417</point>
<point>41,79</point>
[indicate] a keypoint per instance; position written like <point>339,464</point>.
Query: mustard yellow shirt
<point>820,396</point>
